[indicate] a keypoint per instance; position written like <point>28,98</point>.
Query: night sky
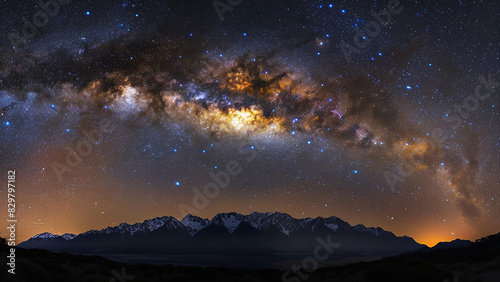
<point>315,114</point>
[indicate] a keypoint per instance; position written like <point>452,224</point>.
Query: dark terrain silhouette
<point>478,262</point>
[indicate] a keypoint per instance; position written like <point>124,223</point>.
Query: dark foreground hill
<point>477,262</point>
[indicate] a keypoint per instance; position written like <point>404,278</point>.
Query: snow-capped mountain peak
<point>45,235</point>
<point>155,223</point>
<point>331,223</point>
<point>147,225</point>
<point>194,224</point>
<point>283,222</point>
<point>228,220</point>
<point>226,233</point>
<point>68,236</point>
<point>374,230</point>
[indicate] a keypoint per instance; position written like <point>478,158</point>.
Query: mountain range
<point>228,233</point>
<point>457,243</point>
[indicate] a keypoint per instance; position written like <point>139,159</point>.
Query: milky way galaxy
<point>121,112</point>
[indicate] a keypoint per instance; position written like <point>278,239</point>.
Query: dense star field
<point>382,113</point>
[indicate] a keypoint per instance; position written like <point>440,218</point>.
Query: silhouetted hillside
<point>477,262</point>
